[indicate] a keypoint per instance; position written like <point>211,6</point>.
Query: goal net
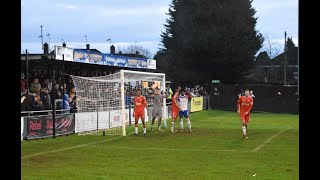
<point>105,103</point>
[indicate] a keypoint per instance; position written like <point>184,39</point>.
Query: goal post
<point>164,109</point>
<point>123,104</point>
<point>105,102</point>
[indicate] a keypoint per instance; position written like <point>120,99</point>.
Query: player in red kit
<point>174,109</point>
<point>244,106</point>
<point>139,103</point>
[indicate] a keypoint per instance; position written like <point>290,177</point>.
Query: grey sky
<point>128,21</point>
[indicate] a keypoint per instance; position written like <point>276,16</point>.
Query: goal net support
<point>105,103</point>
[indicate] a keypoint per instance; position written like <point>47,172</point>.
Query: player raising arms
<point>139,103</point>
<point>157,108</point>
<point>244,106</point>
<point>183,102</point>
<point>174,109</point>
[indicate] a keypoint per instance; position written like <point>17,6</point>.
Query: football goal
<point>105,103</point>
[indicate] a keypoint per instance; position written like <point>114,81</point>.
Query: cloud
<point>281,41</point>
<point>267,8</point>
<point>67,6</point>
<point>135,11</point>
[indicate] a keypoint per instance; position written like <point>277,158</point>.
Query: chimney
<point>112,49</point>
<point>46,48</point>
<point>64,44</point>
<point>88,46</point>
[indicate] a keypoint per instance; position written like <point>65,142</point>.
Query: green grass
<point>214,150</point>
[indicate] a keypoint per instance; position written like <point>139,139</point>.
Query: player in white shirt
<point>183,111</point>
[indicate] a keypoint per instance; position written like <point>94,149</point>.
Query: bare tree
<point>132,49</point>
<point>271,48</point>
<point>267,70</point>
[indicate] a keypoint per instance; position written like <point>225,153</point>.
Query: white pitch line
<point>167,149</point>
<point>68,148</point>
<point>268,140</point>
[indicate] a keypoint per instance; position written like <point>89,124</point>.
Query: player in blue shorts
<point>183,112</point>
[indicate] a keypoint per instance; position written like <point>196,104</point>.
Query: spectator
<point>279,95</point>
<point>179,88</point>
<point>56,93</point>
<point>128,101</point>
<point>35,86</point>
<point>35,103</point>
<point>251,94</point>
<point>46,99</point>
<point>279,102</point>
<point>72,99</point>
<point>69,84</point>
<point>63,88</point>
<point>169,92</point>
<point>216,92</point>
<point>65,104</point>
<point>188,94</point>
<point>59,81</point>
<point>192,93</point>
<point>46,85</point>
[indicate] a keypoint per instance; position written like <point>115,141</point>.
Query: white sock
<point>144,130</point>
<point>172,127</point>
<point>244,130</point>
<point>181,123</point>
<point>189,123</point>
<point>136,130</point>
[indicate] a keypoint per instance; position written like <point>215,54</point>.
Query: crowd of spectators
<point>42,94</point>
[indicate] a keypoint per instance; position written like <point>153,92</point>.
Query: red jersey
<point>23,85</point>
<point>139,103</point>
<point>245,104</point>
<point>174,102</point>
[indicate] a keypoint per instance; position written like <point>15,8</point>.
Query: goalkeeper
<point>157,108</point>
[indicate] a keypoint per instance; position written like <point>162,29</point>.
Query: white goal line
<point>167,149</point>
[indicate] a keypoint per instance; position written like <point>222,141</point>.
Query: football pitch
<point>214,150</point>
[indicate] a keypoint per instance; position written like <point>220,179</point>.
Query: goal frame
<point>123,113</point>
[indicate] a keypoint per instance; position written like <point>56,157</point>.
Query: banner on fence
<point>114,60</point>
<point>115,119</point>
<point>103,120</point>
<point>87,56</point>
<point>196,104</point>
<point>123,61</point>
<point>86,121</point>
<point>42,126</point>
<point>64,124</point>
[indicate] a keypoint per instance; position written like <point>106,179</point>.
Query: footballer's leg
<point>153,119</point>
<point>174,118</point>
<point>143,124</point>
<point>186,115</point>
<point>181,120</point>
<point>247,119</point>
<point>159,120</point>
<point>136,120</point>
<point>244,128</point>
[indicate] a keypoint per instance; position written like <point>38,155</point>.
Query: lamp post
<point>86,39</point>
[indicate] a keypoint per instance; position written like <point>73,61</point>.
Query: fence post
<point>54,108</point>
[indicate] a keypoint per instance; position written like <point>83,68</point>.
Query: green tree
<point>207,39</point>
